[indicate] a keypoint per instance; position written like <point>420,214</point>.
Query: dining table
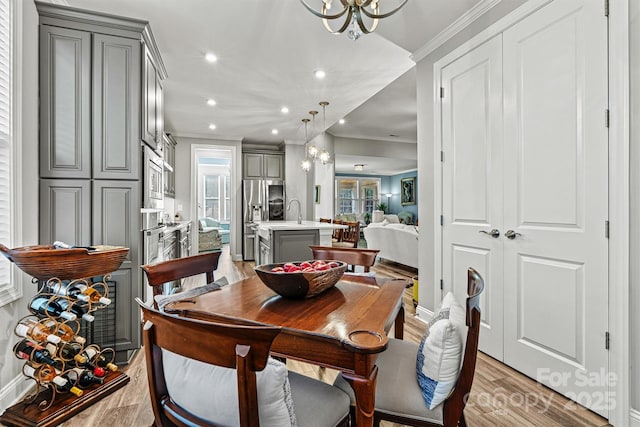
<point>343,328</point>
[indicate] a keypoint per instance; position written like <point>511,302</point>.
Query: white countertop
<point>293,225</point>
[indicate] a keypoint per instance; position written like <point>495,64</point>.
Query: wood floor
<point>500,396</point>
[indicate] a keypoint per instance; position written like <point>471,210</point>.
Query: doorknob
<point>495,233</point>
<point>510,234</point>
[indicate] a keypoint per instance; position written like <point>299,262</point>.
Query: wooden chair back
<point>325,220</point>
<point>337,232</point>
<point>243,348</point>
<point>454,405</point>
<point>352,256</point>
<point>352,233</point>
<point>179,268</point>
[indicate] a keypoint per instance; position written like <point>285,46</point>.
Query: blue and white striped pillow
<point>440,352</point>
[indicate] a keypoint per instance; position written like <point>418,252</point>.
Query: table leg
<point>399,325</point>
<point>365,391</point>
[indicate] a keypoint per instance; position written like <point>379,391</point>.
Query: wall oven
<point>153,166</point>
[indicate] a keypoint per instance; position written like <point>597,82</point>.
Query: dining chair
<point>399,397</point>
<point>190,369</point>
<point>352,256</point>
<point>180,268</point>
<point>325,220</point>
<point>350,236</point>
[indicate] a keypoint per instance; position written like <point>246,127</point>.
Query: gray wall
<point>12,383</point>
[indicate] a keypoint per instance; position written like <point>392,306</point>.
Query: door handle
<point>495,233</point>
<point>510,234</point>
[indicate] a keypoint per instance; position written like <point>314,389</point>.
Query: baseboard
<point>634,418</point>
<point>14,391</point>
<point>423,314</point>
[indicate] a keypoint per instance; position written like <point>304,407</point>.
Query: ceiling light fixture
<point>341,121</point>
<point>355,10</point>
<point>211,57</point>
<point>359,167</point>
<point>320,74</point>
<point>313,150</point>
<point>274,131</point>
<point>284,110</point>
<point>212,126</point>
<point>324,154</point>
<point>306,163</point>
<point>211,102</point>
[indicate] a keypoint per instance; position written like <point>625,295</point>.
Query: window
<point>10,287</point>
<point>357,195</point>
<point>217,197</point>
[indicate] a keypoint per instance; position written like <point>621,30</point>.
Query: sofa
<point>396,242</point>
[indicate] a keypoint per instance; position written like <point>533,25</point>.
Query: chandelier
<point>354,9</point>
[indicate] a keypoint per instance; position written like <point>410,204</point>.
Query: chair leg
<point>462,422</point>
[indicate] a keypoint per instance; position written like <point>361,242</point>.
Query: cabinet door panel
<point>65,211</point>
<point>116,107</point>
<point>252,166</point>
<point>65,67</point>
<point>273,166</point>
<point>149,83</point>
<point>116,221</point>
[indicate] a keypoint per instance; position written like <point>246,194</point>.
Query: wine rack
<point>70,371</point>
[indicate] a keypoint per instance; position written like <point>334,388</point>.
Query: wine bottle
<point>64,382</point>
<point>80,292</point>
<point>30,350</point>
<point>42,373</point>
<point>28,327</point>
<point>96,359</point>
<point>63,330</point>
<point>86,378</point>
<point>76,309</point>
<point>43,305</point>
<point>68,351</point>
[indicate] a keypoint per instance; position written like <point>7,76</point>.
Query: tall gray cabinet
<point>91,94</point>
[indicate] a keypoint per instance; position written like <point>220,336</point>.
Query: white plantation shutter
<point>6,145</point>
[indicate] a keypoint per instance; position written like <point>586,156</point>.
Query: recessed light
<point>320,74</point>
<point>274,131</point>
<point>211,102</point>
<point>284,110</point>
<point>212,126</point>
<point>211,57</point>
<point>341,121</point>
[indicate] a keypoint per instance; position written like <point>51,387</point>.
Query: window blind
<point>6,156</point>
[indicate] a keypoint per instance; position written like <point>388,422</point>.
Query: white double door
<point>525,155</point>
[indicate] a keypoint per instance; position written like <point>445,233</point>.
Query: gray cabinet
<point>152,102</point>
<point>263,166</point>
<point>169,165</point>
<point>91,90</point>
<point>293,245</point>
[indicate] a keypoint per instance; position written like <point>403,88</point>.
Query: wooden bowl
<point>45,261</point>
<point>299,284</point>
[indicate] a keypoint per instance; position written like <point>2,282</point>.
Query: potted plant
<point>382,207</point>
<point>367,217</point>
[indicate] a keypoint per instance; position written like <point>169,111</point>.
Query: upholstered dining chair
<point>190,369</point>
<point>180,268</point>
<point>350,236</point>
<point>352,256</point>
<point>399,396</point>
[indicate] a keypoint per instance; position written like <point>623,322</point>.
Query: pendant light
<point>324,154</point>
<point>313,150</point>
<point>306,163</point>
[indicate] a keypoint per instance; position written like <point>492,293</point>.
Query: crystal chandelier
<point>354,10</point>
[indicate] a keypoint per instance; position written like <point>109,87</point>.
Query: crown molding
<point>456,26</point>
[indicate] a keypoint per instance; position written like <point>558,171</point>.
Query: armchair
<point>208,235</point>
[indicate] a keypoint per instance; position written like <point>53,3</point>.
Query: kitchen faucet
<point>299,209</point>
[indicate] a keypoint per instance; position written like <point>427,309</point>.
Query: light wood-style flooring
<point>500,395</point>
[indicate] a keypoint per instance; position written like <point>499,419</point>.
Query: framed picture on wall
<point>408,191</point>
<point>317,194</point>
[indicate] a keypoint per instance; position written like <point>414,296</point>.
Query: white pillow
<point>392,218</point>
<point>210,392</point>
<point>440,352</point>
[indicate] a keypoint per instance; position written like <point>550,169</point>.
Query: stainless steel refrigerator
<point>263,200</point>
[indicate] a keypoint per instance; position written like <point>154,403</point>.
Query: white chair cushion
<point>210,392</point>
<point>440,352</point>
<point>317,404</point>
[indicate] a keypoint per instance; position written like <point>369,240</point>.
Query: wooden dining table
<point>343,328</point>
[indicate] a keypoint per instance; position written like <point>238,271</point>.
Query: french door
<point>527,158</point>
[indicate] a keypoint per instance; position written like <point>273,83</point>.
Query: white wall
<point>297,182</point>
<point>185,181</point>
<point>634,274</point>
<point>12,382</point>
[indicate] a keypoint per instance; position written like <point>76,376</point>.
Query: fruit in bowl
<point>301,279</point>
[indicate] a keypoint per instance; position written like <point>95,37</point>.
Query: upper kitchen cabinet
<point>169,165</point>
<point>263,166</point>
<point>152,100</point>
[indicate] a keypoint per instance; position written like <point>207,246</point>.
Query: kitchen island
<point>282,241</point>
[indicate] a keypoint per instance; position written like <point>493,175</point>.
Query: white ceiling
<point>267,53</point>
